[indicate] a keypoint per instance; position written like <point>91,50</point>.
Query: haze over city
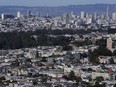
<point>54,2</point>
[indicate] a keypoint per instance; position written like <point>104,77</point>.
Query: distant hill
<point>55,11</point>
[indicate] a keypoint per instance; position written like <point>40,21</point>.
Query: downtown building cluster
<point>32,21</point>
<point>90,62</point>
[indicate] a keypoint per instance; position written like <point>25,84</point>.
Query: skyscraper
<point>29,14</point>
<point>18,14</point>
<point>67,18</point>
<point>2,16</point>
<point>107,13</point>
<point>114,16</point>
<point>82,15</point>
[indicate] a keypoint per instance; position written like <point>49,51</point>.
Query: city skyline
<point>53,2</point>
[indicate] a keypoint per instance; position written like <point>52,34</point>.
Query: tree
<point>65,77</point>
<point>112,61</point>
<point>67,48</point>
<point>81,36</point>
<point>90,69</point>
<point>101,43</point>
<point>86,84</point>
<point>99,79</point>
<point>15,63</point>
<point>44,59</point>
<point>114,85</point>
<point>93,56</point>
<point>28,60</point>
<point>82,42</point>
<point>35,82</point>
<point>114,53</point>
<point>72,76</point>
<point>37,55</point>
<point>99,85</point>
<point>2,78</point>
<point>44,78</point>
<point>78,79</point>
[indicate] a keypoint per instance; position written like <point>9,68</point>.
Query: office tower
<point>29,14</point>
<point>82,15</point>
<point>114,16</point>
<point>67,18</point>
<point>102,16</point>
<point>86,15</point>
<point>71,14</point>
<point>107,13</point>
<point>2,16</point>
<point>95,15</point>
<point>5,16</point>
<point>18,14</point>
<point>99,21</point>
<point>47,15</point>
<point>37,14</point>
<point>89,20</point>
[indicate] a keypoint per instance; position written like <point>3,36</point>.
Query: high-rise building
<point>29,14</point>
<point>107,13</point>
<point>5,16</point>
<point>67,18</point>
<point>18,14</point>
<point>114,16</point>
<point>95,15</point>
<point>2,16</point>
<point>82,15</point>
<point>89,20</point>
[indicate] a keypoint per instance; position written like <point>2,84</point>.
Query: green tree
<point>112,61</point>
<point>1,79</point>
<point>90,69</point>
<point>67,48</point>
<point>15,63</point>
<point>99,79</point>
<point>101,43</point>
<point>114,53</point>
<point>35,82</point>
<point>44,78</point>
<point>114,85</point>
<point>44,59</point>
<point>78,79</point>
<point>99,85</point>
<point>72,76</point>
<point>93,56</point>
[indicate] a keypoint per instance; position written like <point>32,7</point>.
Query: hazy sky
<point>53,2</point>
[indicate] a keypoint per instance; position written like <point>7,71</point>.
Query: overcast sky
<point>54,2</point>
